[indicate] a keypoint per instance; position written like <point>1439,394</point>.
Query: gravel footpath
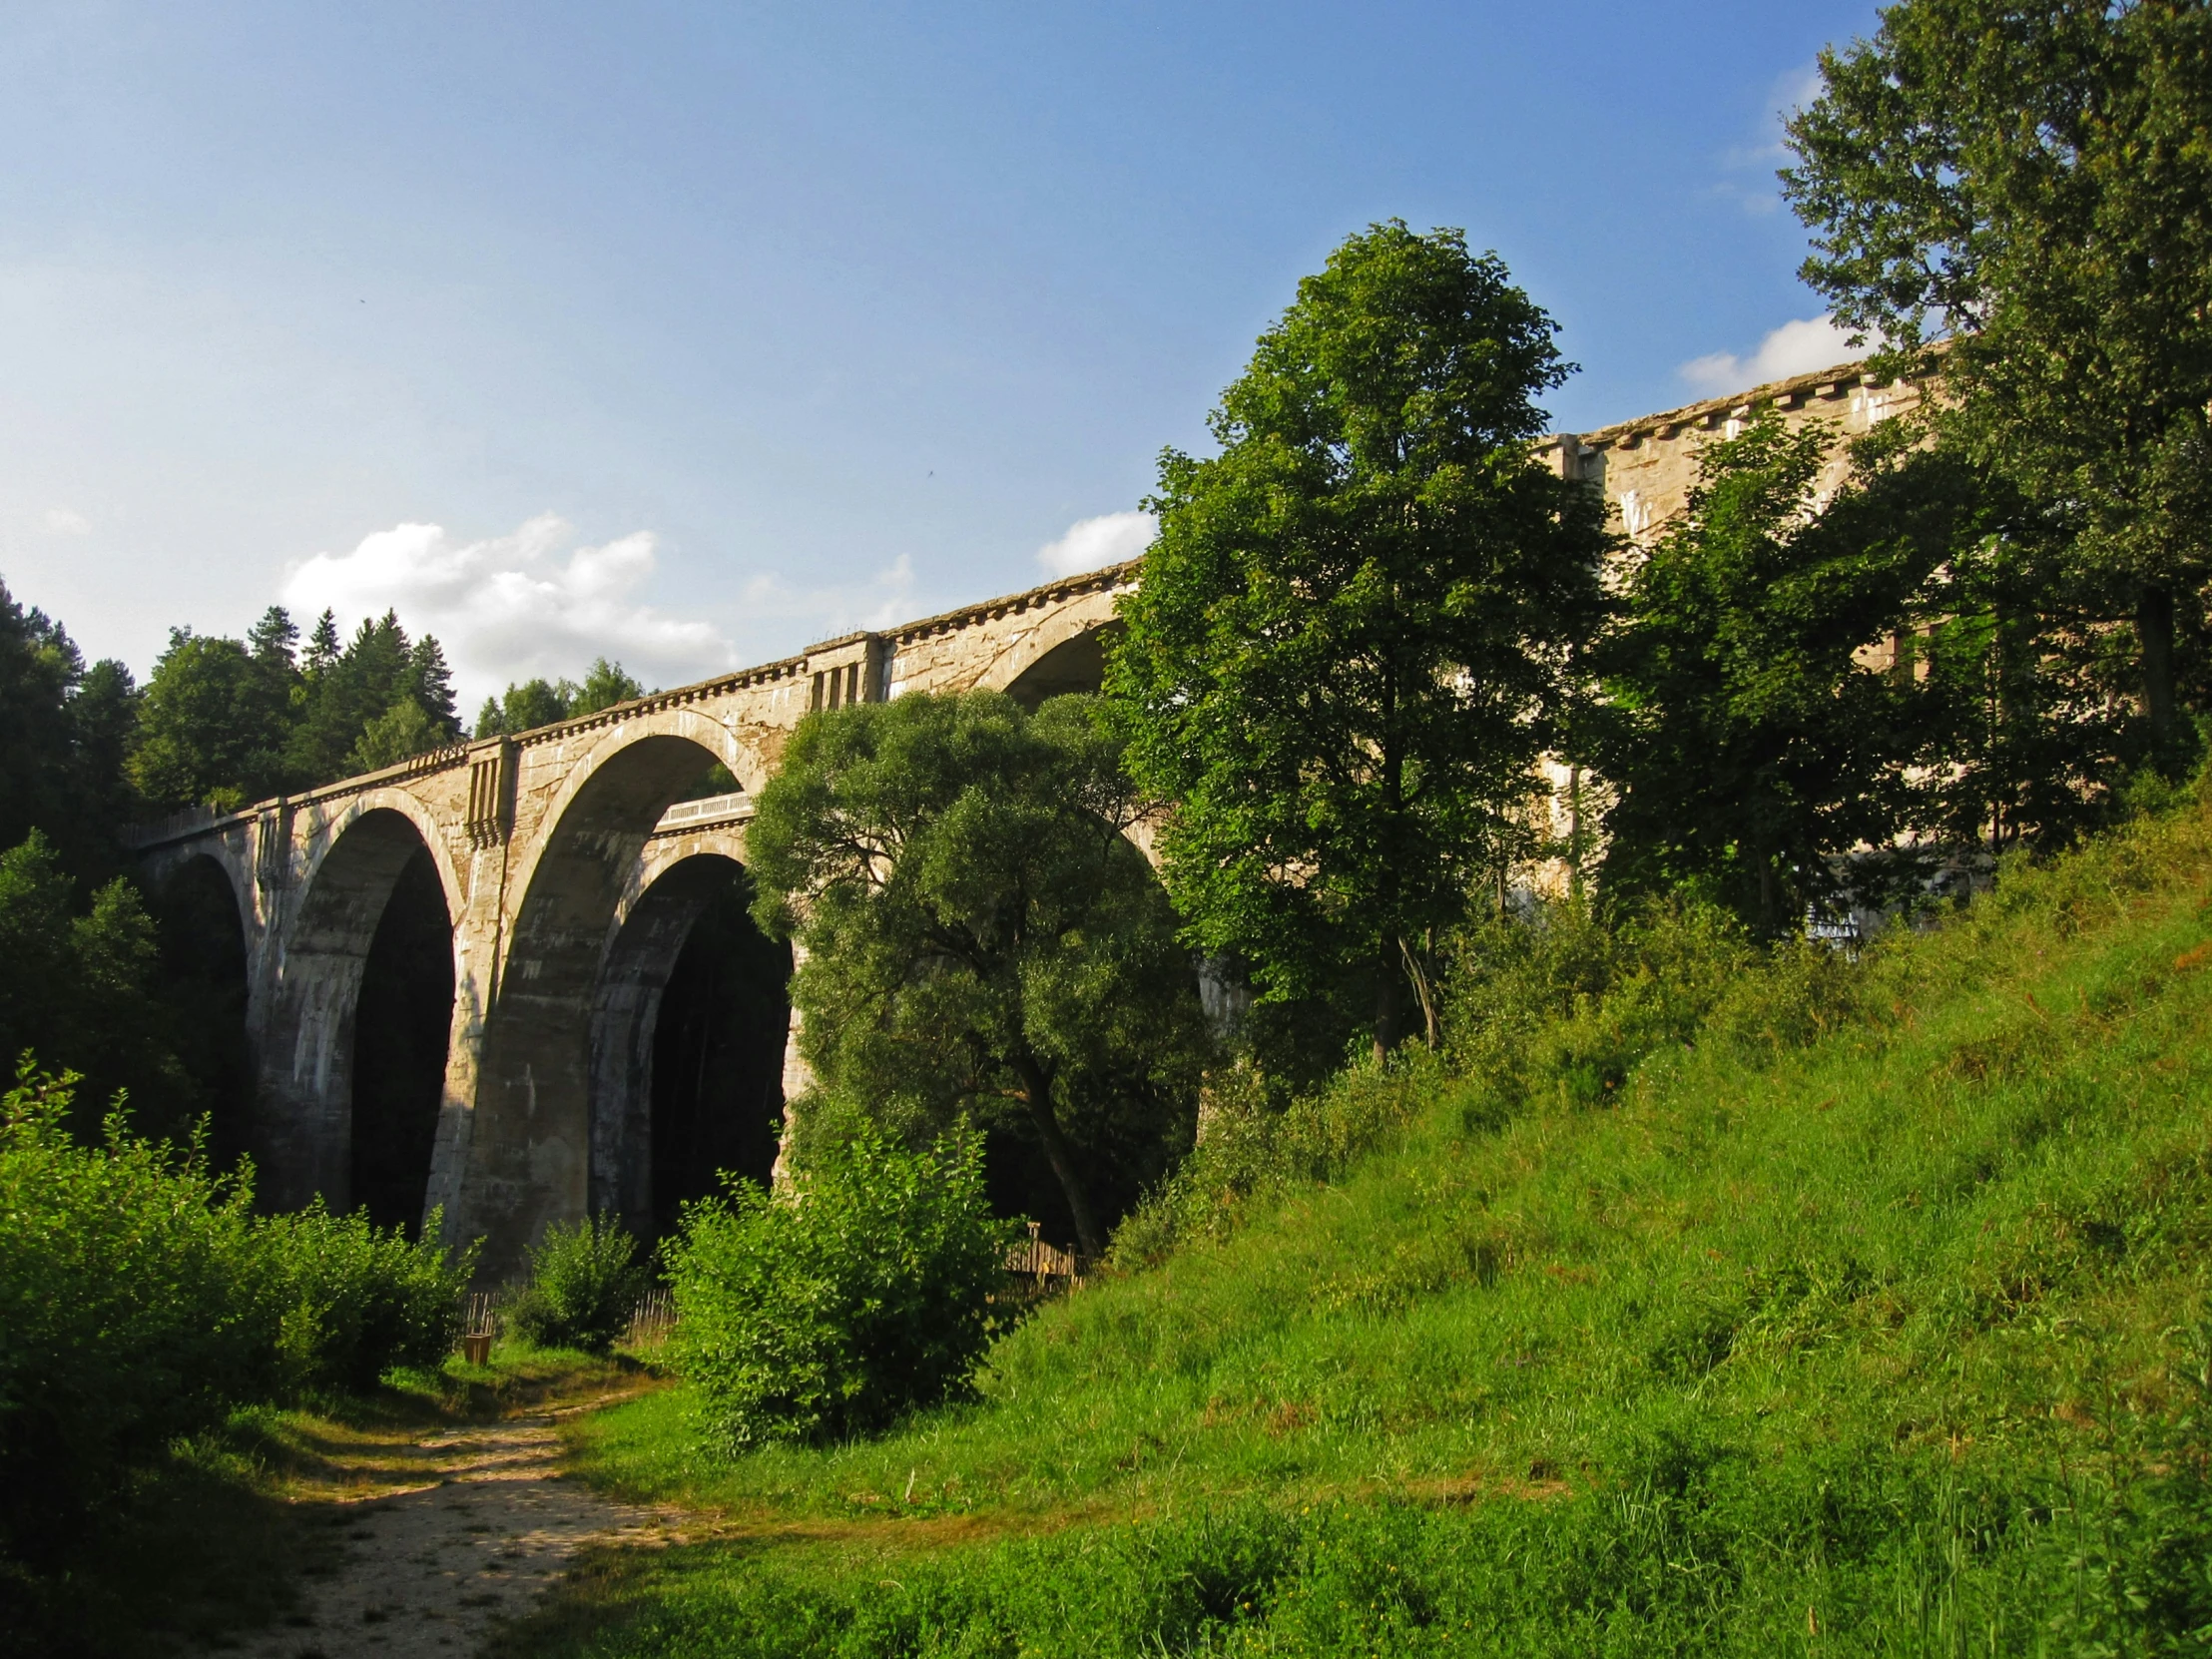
<point>427,1570</point>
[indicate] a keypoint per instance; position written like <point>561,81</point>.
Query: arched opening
<point>1076,665</point>
<point>687,1035</point>
<point>204,985</point>
<point>401,1024</point>
<point>538,1151</point>
<point>374,909</point>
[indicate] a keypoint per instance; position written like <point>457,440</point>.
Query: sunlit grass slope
<point>1889,1341</point>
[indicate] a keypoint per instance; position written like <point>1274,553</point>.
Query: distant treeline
<point>99,977</point>
<point>225,722</point>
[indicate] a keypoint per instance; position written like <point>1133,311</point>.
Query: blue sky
<point>693,333</point>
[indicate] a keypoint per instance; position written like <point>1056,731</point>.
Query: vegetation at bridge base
<point>1774,1302</point>
<point>835,1306</point>
<point>583,1282</point>
<point>2027,184</point>
<point>1354,636</point>
<point>982,941</point>
<point>144,1304</point>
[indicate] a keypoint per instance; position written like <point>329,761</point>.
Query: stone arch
<point>1076,664</point>
<point>1058,634</point>
<point>361,859</point>
<point>322,836</point>
<point>530,1143</point>
<point>687,1043</point>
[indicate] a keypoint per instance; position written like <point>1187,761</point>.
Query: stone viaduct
<point>512,981</point>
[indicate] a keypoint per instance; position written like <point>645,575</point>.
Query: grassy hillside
<point>1887,1336</point>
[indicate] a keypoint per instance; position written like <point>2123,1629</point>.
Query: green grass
<point>1895,1342</point>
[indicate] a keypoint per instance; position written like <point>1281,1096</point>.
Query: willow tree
<point>1355,633</point>
<point>982,941</point>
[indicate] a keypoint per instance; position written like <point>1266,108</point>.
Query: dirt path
<point>472,1525</point>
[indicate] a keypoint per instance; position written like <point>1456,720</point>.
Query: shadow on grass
<point>222,1536</point>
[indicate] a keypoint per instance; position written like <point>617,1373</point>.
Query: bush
<point>832,1307</point>
<point>141,1300</point>
<point>585,1281</point>
<point>357,1300</point>
<point>132,1305</point>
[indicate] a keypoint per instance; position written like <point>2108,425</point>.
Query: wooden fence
<point>1034,1258</point>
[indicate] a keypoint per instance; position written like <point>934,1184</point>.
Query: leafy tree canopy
<point>2030,181</point>
<point>63,728</point>
<point>78,989</point>
<point>981,939</point>
<point>535,703</point>
<point>1355,632</point>
<point>213,727</point>
<point>1746,741</point>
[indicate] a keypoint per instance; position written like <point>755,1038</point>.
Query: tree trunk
<point>1388,965</point>
<point>2154,629</point>
<point>1037,1094</point>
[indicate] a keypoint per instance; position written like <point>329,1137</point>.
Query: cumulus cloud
<point>1093,543</point>
<point>61,521</point>
<point>513,606</point>
<point>1794,348</point>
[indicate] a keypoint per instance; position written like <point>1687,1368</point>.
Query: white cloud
<point>61,521</point>
<point>1093,543</point>
<point>1794,348</point>
<point>512,607</point>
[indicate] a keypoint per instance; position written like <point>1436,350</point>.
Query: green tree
<point>525,706</point>
<point>2030,185</point>
<point>78,989</point>
<point>430,684</point>
<point>1355,633</point>
<point>212,728</point>
<point>982,938</point>
<point>356,702</point>
<point>604,686</point>
<point>400,732</point>
<point>64,730</point>
<point>323,648</point>
<point>1746,740</point>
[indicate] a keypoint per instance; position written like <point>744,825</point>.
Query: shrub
<point>585,1281</point>
<point>833,1307</point>
<point>357,1300</point>
<point>141,1300</point>
<point>130,1302</point>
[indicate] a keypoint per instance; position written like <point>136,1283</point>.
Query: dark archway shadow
<point>688,1036</point>
<point>401,1025</point>
<point>718,1057</point>
<point>374,902</point>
